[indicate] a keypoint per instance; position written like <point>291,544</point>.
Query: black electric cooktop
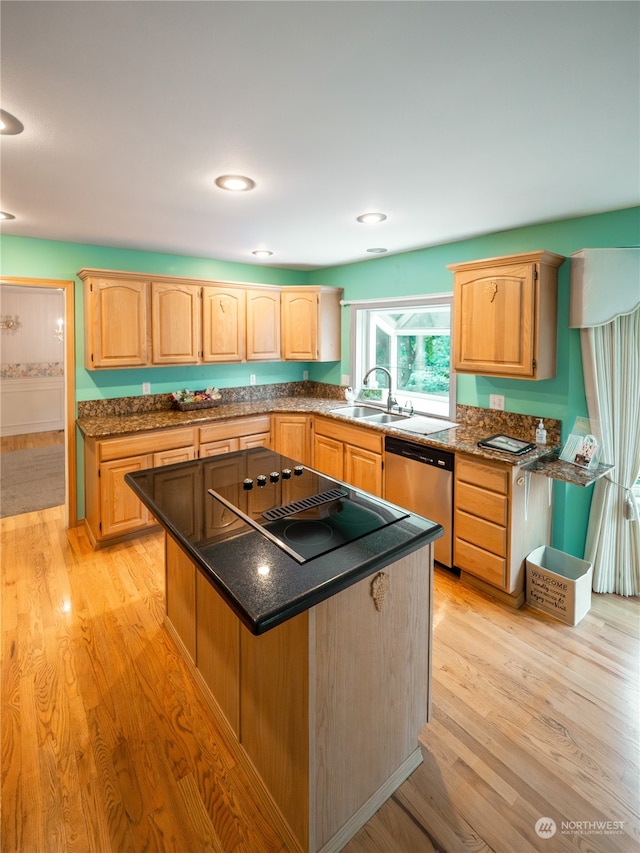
<point>302,511</point>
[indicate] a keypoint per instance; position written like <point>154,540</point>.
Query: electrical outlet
<point>146,387</point>
<point>252,379</point>
<point>305,375</point>
<point>346,379</point>
<point>496,401</point>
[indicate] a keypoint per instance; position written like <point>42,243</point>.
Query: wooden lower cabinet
<point>120,510</point>
<point>327,706</point>
<point>501,513</point>
<point>348,453</point>
<point>112,510</point>
<point>292,436</point>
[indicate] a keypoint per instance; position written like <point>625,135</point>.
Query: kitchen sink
<point>384,418</point>
<point>355,411</point>
<point>368,413</point>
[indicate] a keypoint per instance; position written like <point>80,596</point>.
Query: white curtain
<point>611,361</point>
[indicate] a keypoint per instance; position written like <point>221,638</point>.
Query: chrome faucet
<point>391,402</point>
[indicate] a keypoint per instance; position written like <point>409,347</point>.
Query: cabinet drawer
<point>480,563</point>
<point>235,428</point>
<point>484,504</point>
<point>493,477</point>
<point>155,442</point>
<point>490,537</point>
<point>358,436</point>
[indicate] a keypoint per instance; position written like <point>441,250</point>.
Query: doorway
<point>64,326</point>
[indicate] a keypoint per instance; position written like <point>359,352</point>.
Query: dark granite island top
<point>262,583</point>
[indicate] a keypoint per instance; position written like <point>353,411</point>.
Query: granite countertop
<point>109,426</point>
<point>259,581</point>
<point>461,439</point>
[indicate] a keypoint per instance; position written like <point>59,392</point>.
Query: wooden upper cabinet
<point>137,320</point>
<point>115,322</point>
<point>311,323</point>
<point>223,323</point>
<point>263,324</point>
<point>505,313</point>
<point>175,323</point>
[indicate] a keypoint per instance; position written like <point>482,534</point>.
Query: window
<point>411,337</point>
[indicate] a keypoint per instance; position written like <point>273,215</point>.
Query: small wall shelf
<point>556,469</point>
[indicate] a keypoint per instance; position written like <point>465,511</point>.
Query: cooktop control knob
<point>247,484</point>
<point>274,476</point>
<point>298,470</point>
<point>261,480</point>
<point>286,473</point>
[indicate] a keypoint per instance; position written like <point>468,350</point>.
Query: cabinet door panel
<point>363,469</point>
<point>223,324</point>
<point>292,437</point>
<point>263,325</point>
<point>495,313</point>
<point>175,323</point>
<point>300,326</point>
<point>178,491</point>
<point>328,456</point>
<point>120,509</point>
<point>224,474</point>
<point>115,323</point>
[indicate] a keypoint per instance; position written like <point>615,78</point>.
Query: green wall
<point>425,271</point>
<point>29,258</point>
<point>421,271</point>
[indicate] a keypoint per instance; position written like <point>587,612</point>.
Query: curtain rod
<point>398,300</point>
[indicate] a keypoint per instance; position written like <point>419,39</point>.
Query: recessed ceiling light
<point>4,215</point>
<point>235,183</point>
<point>262,253</point>
<point>369,218</point>
<point>9,125</point>
<point>377,251</point>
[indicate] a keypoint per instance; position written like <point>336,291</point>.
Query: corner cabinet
<point>501,513</point>
<point>311,323</point>
<point>505,313</point>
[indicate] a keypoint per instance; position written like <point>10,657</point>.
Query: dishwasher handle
<point>419,453</point>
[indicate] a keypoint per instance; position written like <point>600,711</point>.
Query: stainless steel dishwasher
<point>420,479</point>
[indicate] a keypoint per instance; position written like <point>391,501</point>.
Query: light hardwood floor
<point>107,745</point>
<point>27,441</point>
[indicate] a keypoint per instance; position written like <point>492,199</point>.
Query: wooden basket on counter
<point>187,401</point>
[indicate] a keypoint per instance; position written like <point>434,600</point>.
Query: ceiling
<point>455,119</point>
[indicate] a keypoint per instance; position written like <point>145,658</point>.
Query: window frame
<point>358,369</point>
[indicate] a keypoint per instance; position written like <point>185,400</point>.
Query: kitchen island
<point>316,661</point>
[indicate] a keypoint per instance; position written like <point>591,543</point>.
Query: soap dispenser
<point>541,433</point>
